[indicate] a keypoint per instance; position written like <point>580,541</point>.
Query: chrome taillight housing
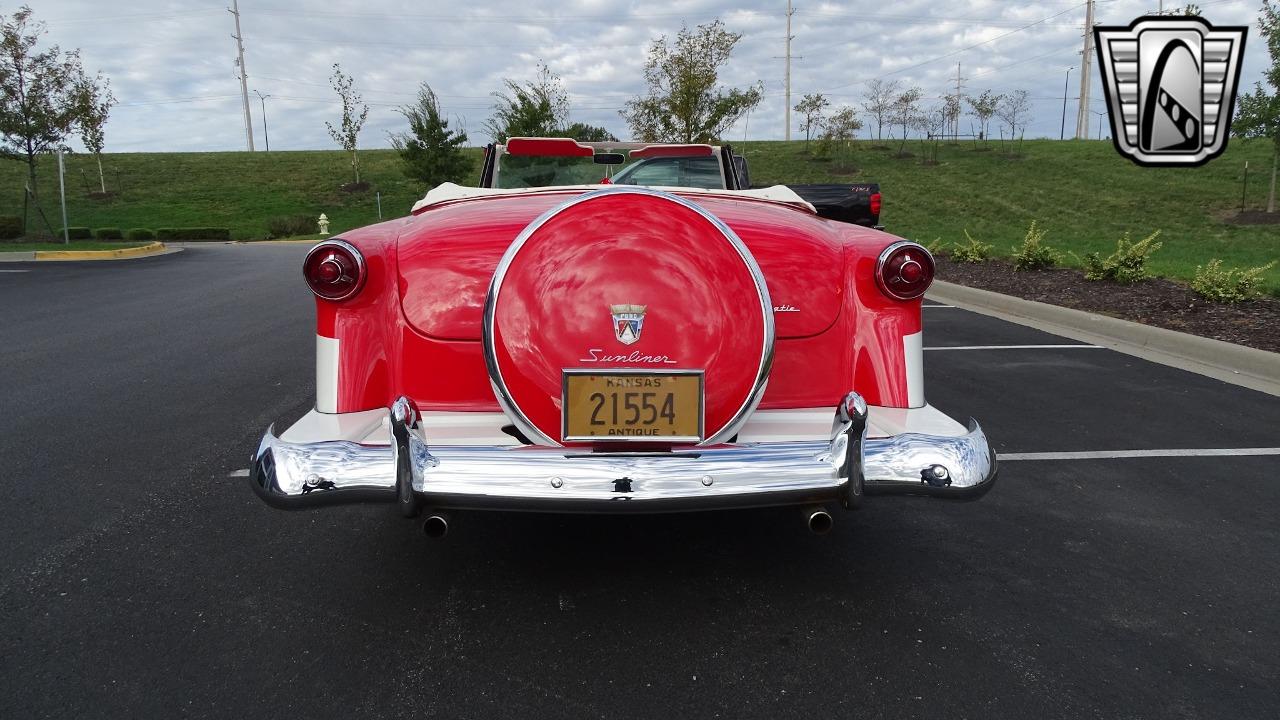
<point>334,270</point>
<point>904,271</point>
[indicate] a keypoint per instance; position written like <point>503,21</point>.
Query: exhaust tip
<point>819,521</point>
<point>435,526</point>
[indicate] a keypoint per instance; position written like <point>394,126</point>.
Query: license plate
<point>626,405</point>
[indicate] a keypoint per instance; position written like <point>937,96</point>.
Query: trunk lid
<point>448,256</point>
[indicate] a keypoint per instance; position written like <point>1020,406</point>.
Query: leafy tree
<point>354,112</point>
<point>41,93</point>
<point>684,101</point>
<point>538,108</point>
<point>432,153</point>
<point>1258,112</point>
<point>905,112</point>
<point>1014,109</point>
<point>96,102</point>
<point>811,107</point>
<point>931,125</point>
<point>983,108</point>
<point>840,130</point>
<point>583,132</point>
<point>878,102</point>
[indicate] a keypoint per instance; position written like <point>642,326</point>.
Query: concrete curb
<point>1236,364</point>
<point>154,248</point>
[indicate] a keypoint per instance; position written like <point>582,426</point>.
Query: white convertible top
<point>449,191</point>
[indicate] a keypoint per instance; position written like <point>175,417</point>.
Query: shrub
<point>140,234</point>
<point>974,252</point>
<point>108,234</point>
<point>10,227</point>
<point>291,226</point>
<point>1128,264</point>
<point>1229,286</point>
<point>935,248</point>
<point>75,233</point>
<point>193,233</point>
<point>1033,254</point>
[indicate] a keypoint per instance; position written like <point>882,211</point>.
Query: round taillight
<point>334,269</point>
<point>904,271</point>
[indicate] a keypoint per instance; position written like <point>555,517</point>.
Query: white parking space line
<point>13,271</point>
<point>1017,347</point>
<point>239,473</point>
<point>1113,454</point>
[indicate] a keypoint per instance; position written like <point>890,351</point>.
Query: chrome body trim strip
<point>842,468</point>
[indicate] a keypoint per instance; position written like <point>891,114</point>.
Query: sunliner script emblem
<point>628,321</point>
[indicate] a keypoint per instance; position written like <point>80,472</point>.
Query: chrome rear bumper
<point>413,474</point>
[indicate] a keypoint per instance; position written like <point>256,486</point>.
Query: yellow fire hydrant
<point>324,224</point>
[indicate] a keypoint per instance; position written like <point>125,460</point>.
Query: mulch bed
<point>1162,303</point>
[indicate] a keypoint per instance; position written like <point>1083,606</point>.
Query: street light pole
<point>1061,133</point>
<point>266,139</point>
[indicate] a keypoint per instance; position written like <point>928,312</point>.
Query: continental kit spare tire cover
<point>627,278</point>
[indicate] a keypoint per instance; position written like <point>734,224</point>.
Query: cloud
<point>172,64</point>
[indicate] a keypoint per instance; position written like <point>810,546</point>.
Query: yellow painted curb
<point>149,249</point>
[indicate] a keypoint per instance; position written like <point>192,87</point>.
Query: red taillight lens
<point>904,271</point>
<point>334,269</point>
<point>875,204</point>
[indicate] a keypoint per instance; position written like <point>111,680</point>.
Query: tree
<point>951,114</point>
<point>354,112</point>
<point>878,102</point>
<point>96,102</point>
<point>905,112</point>
<point>982,108</point>
<point>931,125</point>
<point>583,132</point>
<point>684,101</point>
<point>432,153</point>
<point>1258,112</point>
<point>1013,110</point>
<point>811,107</point>
<point>538,108</point>
<point>41,93</point>
<point>840,129</point>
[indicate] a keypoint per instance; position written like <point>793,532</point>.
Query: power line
<point>964,49</point>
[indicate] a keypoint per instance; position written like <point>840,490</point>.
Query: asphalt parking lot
<point>139,579</point>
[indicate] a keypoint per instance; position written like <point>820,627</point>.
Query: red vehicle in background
<point>565,339</point>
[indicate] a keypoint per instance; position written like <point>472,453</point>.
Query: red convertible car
<point>556,341</point>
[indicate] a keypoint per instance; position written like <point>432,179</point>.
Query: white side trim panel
<point>366,426</point>
<point>465,428</point>
<point>808,424</point>
<point>913,353</point>
<point>326,374</point>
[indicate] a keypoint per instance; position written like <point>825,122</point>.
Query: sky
<point>172,64</point>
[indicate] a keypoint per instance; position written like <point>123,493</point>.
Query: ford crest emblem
<point>628,321</point>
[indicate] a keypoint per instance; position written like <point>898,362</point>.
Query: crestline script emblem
<point>1170,88</point>
<point>628,321</point>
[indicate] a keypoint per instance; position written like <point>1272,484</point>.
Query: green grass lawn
<point>1084,193</point>
<point>74,245</point>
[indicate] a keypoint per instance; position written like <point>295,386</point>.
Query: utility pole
<point>788,81</point>
<point>1062,133</point>
<point>266,139</point>
<point>1086,74</point>
<point>955,120</point>
<point>244,77</point>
